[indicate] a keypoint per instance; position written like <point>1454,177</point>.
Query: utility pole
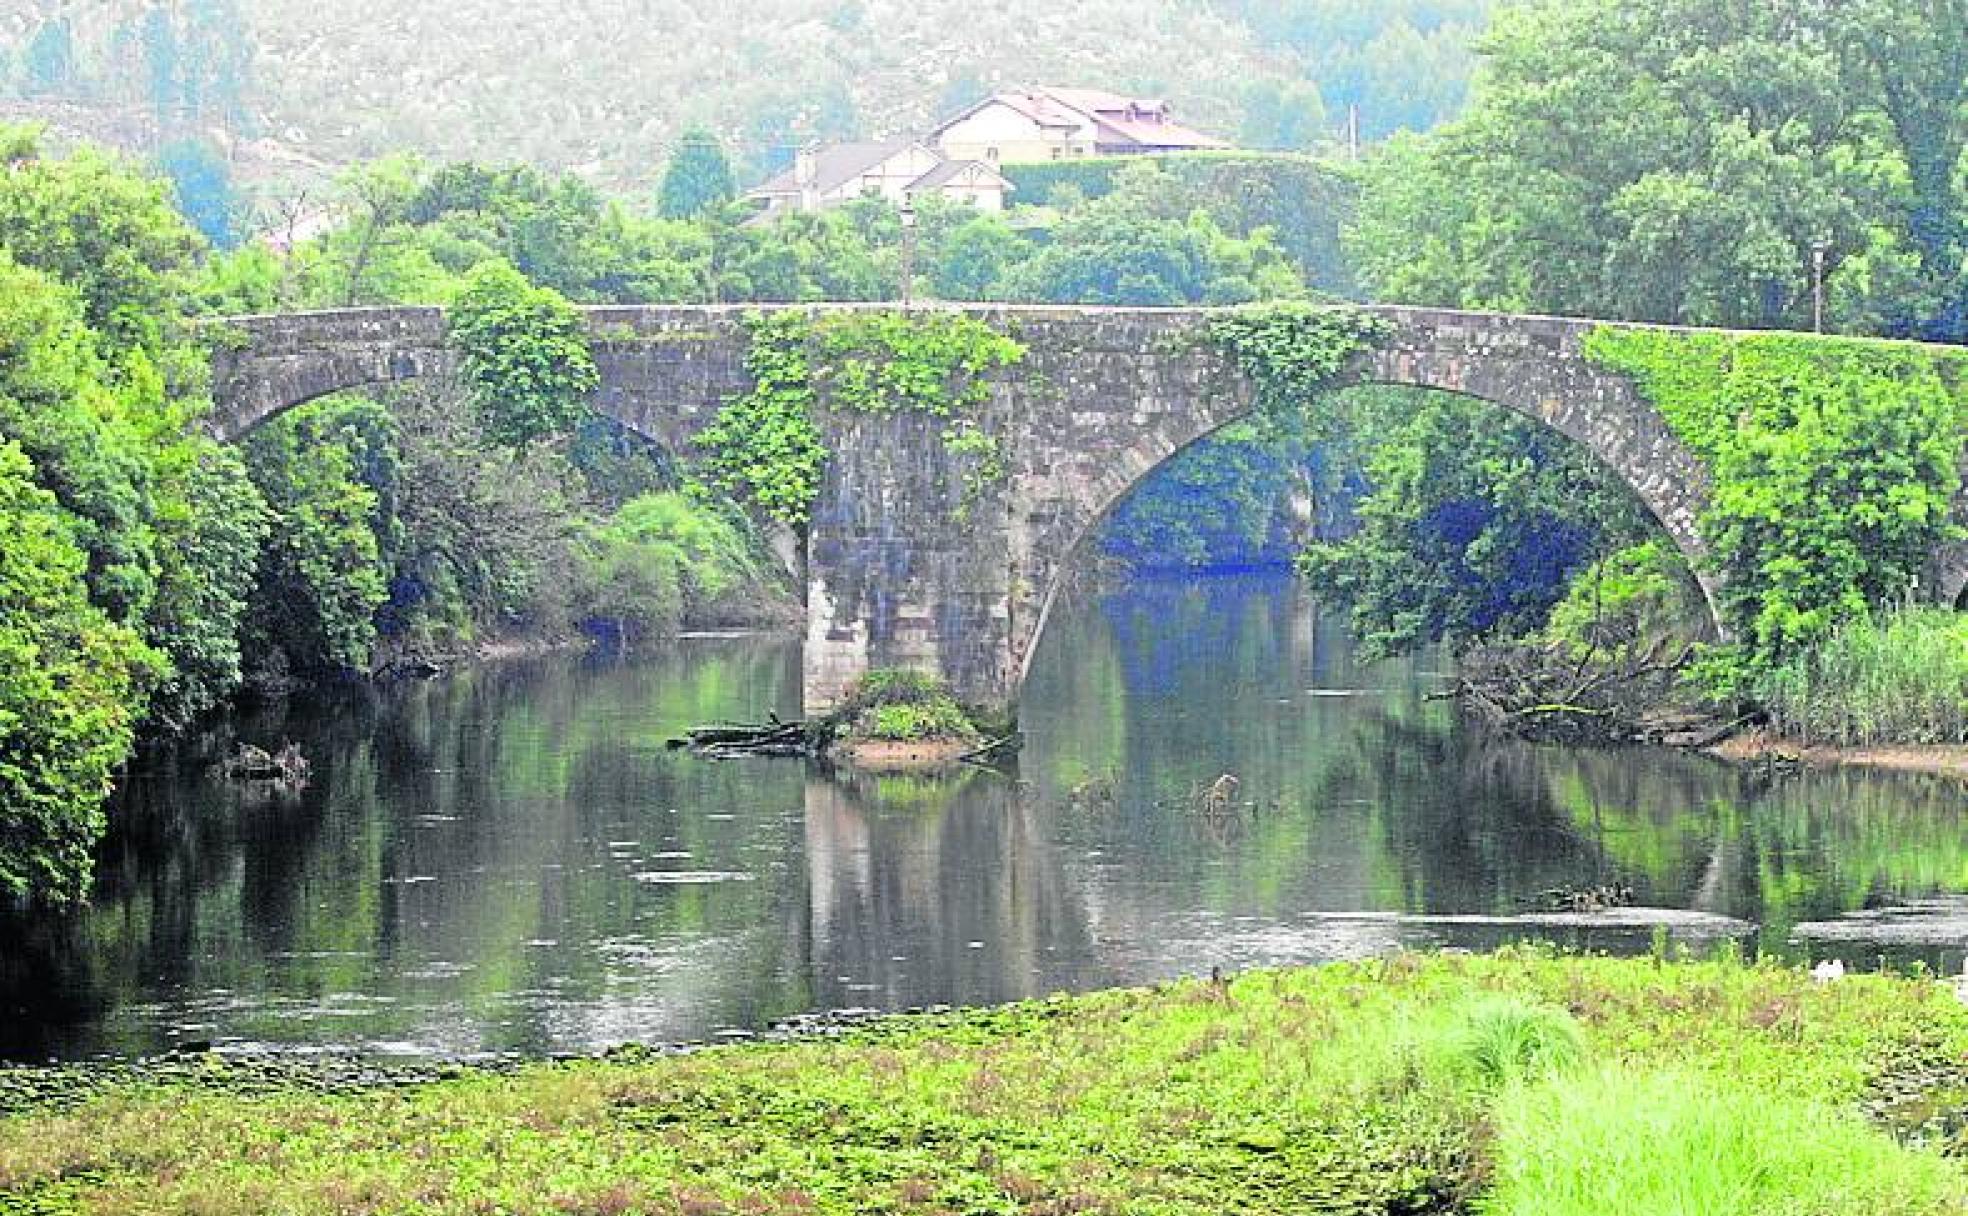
<point>1819,251</point>
<point>1353,130</point>
<point>908,251</point>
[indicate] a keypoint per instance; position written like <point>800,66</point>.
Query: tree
<point>698,177</point>
<point>57,408</point>
<point>1124,248</point>
<point>1680,162</point>
<point>970,260</point>
<point>321,574</point>
<point>526,356</point>
<point>1474,525</point>
<point>69,679</point>
<point>203,183</point>
<point>111,235</point>
<point>209,548</point>
<point>1285,117</point>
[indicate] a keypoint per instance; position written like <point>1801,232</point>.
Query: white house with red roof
<point>1040,124</point>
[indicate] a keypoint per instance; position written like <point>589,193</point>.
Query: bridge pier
<point>907,565</point>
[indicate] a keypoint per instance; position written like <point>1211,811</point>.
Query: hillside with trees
<point>607,87</point>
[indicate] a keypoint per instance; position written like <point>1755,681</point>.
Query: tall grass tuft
<point>1505,1041</point>
<point>1900,677</point>
<point>1608,1140</point>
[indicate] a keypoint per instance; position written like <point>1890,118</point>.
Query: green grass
<point>1517,1083</point>
<point>1900,678</point>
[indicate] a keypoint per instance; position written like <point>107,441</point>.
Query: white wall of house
<point>997,133</point>
<point>976,187</point>
<point>890,179</point>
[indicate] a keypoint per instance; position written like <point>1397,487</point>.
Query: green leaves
<point>1833,460</point>
<point>71,682</point>
<point>526,355</point>
<point>1293,351</point>
<point>763,447</point>
<point>1679,161</point>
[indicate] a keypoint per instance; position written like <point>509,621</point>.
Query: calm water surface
<point>508,859</point>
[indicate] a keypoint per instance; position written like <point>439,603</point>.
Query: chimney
<point>806,176</point>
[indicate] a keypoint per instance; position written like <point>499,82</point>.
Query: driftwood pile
<point>1550,692</point>
<point>731,740</point>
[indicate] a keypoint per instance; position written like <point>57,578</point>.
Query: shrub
<point>665,560</point>
<point>904,706</point>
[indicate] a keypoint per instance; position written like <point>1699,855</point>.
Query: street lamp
<point>908,250</point>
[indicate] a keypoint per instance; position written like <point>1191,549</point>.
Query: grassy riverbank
<point>1520,1083</point>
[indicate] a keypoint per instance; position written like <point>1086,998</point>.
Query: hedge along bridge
<point>902,570</point>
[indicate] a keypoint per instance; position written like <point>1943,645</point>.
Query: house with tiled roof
<point>898,170</point>
<point>1040,124</point>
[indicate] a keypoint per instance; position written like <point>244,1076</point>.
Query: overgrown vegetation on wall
<point>1834,466</point>
<point>764,448</point>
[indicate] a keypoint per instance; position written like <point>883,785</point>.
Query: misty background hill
<point>289,88</point>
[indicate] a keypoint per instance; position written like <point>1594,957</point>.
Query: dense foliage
<point>1834,463</point>
<point>1473,527</point>
<point>97,379</point>
<point>525,354</point>
<point>1684,162</point>
<point>71,680</point>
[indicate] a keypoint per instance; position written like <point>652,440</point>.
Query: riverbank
<point>1521,1082</point>
<point>1753,747</point>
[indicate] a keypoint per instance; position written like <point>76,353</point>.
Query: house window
<point>991,154</point>
<point>1055,153</point>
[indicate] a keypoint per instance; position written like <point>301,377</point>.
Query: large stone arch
<point>904,568</point>
<point>1175,389</point>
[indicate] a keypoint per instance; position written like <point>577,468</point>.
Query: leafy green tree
<point>108,233</point>
<point>698,177</point>
<point>69,681</point>
<point>971,259</point>
<point>526,355</point>
<point>481,533</point>
<point>321,573</point>
<point>1474,524</point>
<point>209,541</point>
<point>55,405</point>
<point>1285,116</point>
<point>1681,162</point>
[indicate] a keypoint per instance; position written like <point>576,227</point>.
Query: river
<point>508,859</point>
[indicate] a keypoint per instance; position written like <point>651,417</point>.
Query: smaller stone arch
<point>267,365</point>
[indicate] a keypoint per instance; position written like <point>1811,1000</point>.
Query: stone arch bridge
<point>899,575</point>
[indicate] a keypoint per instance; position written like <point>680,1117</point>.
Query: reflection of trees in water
<point>1386,802</point>
<point>451,827</point>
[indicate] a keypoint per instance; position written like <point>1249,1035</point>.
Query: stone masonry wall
<point>899,571</point>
